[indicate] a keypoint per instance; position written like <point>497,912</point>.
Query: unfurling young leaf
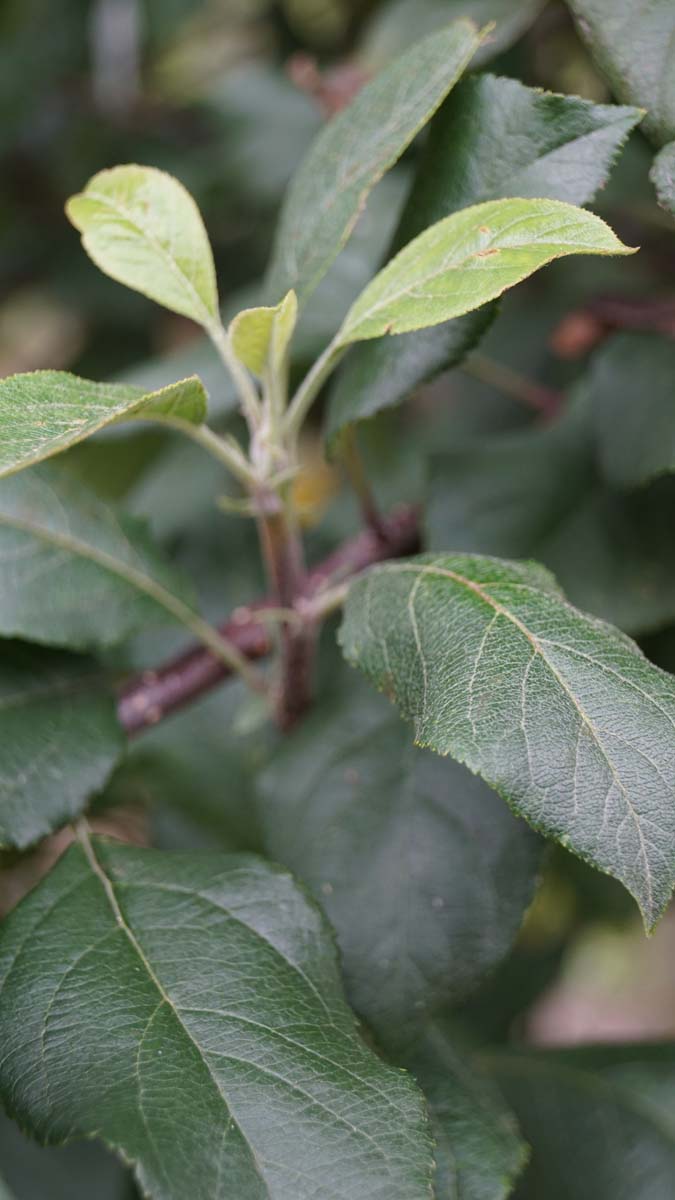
<point>46,412</point>
<point>471,257</point>
<point>187,1009</point>
<point>142,228</point>
<point>260,337</point>
<point>353,152</point>
<point>560,713</point>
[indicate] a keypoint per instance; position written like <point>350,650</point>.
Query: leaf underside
<point>557,711</point>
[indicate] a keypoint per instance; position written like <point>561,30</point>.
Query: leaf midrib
<point>500,610</point>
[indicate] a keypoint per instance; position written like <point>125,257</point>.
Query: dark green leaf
<point>662,176</point>
<point>491,139</point>
<point>540,494</point>
<point>631,387</point>
<point>594,1133</point>
<point>423,872</point>
<point>354,151</point>
<point>45,412</point>
<point>479,1150</point>
<point>187,1008</point>
<point>103,576</point>
<point>60,740</point>
<point>559,712</point>
<point>634,45</point>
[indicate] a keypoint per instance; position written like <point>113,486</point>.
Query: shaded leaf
<point>571,1103</point>
<point>141,227</point>
<point>187,1008</point>
<point>354,151</point>
<point>559,712</point>
<point>396,24</point>
<point>662,176</point>
<point>471,257</point>
<point>479,1150</point>
<point>68,1173</point>
<point>59,740</point>
<point>631,385</point>
<point>634,46</point>
<point>492,138</point>
<point>540,494</point>
<point>260,337</point>
<point>103,575</point>
<point>45,412</point>
<point>423,872</point>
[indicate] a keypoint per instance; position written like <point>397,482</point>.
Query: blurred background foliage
<point>227,95</point>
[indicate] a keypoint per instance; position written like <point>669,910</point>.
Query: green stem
<point>226,451</point>
<point>311,386</point>
<point>250,401</point>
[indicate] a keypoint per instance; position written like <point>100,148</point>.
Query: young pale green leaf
<point>101,572</point>
<point>354,151</point>
<point>142,228</point>
<point>260,337</point>
<point>631,386</point>
<point>471,257</point>
<point>540,494</point>
<point>187,1008</point>
<point>479,1150</point>
<point>60,740</point>
<point>45,412</point>
<point>634,45</point>
<point>557,711</point>
<point>493,138</point>
<point>570,1103</point>
<point>422,871</point>
<point>662,176</point>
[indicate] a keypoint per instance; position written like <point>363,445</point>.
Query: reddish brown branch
<point>153,695</point>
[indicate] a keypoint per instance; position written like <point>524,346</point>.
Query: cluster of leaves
<point>187,1006</point>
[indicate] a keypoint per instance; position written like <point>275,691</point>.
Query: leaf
<point>141,227</point>
<point>60,740</point>
<point>396,24</point>
<point>45,412</point>
<point>493,138</point>
<point>630,385</point>
<point>69,1173</point>
<point>662,176</point>
<point>540,494</point>
<point>422,871</point>
<point>103,576</point>
<point>355,150</point>
<point>569,1104</point>
<point>559,712</point>
<point>634,46</point>
<point>260,337</point>
<point>479,1151</point>
<point>187,1008</point>
<point>471,257</point>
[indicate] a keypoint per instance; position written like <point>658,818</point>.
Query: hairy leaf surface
<point>45,412</point>
<point>471,257</point>
<point>493,138</point>
<point>634,45</point>
<point>75,572</point>
<point>260,336</point>
<point>559,712</point>
<point>187,1008</point>
<point>353,152</point>
<point>424,873</point>
<point>59,740</point>
<point>141,227</point>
